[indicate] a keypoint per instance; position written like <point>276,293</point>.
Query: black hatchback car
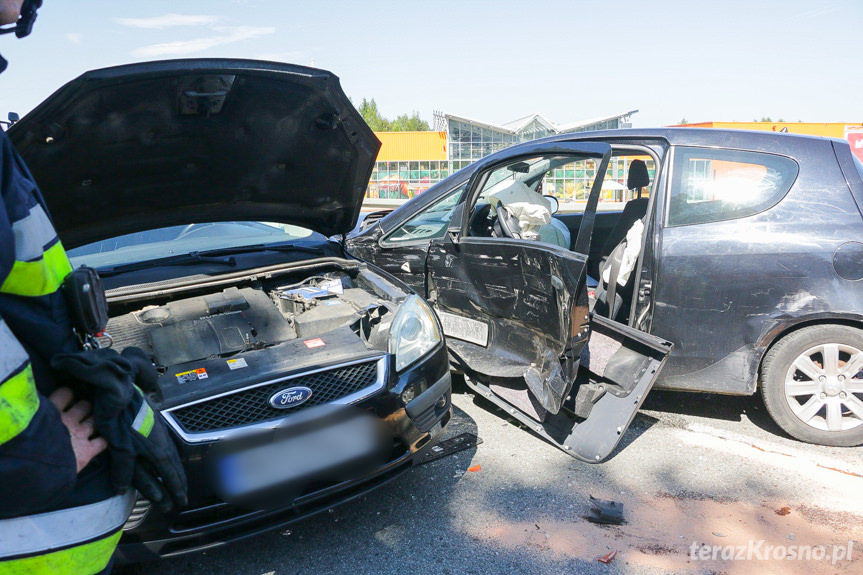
<point>744,249</point>
<point>204,191</point>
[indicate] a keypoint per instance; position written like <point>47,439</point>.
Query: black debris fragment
<point>605,511</point>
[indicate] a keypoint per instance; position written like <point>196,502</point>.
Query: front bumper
<point>416,405</point>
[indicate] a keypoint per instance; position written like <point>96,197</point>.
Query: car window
<point>710,185</point>
<point>430,223</point>
<point>571,183</point>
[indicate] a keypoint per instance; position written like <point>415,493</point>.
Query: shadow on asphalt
<point>714,406</point>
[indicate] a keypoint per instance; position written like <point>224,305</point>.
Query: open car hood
<point>143,146</point>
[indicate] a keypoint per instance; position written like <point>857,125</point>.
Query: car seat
<point>633,210</point>
<point>621,251</point>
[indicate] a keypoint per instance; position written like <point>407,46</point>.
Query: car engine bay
<point>219,341</point>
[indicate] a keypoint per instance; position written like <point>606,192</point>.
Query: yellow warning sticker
<point>194,375</point>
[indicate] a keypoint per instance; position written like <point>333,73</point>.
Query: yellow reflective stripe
<point>41,277</point>
<point>87,559</point>
<point>18,404</point>
<point>143,423</point>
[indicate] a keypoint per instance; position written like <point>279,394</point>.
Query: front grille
<point>252,405</point>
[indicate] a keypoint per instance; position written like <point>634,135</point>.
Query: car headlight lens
<point>414,332</point>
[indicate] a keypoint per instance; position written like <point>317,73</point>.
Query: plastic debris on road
<point>605,511</point>
<point>451,446</point>
<point>474,468</point>
<point>608,556</point>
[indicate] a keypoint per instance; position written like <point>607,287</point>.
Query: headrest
<point>638,176</point>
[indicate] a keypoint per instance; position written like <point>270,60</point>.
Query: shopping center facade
<point>410,162</point>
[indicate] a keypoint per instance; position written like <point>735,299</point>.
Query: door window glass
<point>571,183</point>
<point>430,223</point>
<point>710,185</point>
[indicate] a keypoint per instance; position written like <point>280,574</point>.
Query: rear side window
<point>709,185</point>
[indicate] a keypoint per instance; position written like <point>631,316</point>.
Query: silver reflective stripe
<point>140,416</point>
<point>12,355</point>
<point>64,528</point>
<point>32,233</point>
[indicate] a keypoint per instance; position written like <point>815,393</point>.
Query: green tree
<point>683,121</point>
<point>405,123</point>
<point>369,111</point>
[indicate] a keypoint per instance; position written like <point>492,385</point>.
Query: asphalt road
<point>692,470</point>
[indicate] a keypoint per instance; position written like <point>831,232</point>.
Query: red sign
<point>854,135</point>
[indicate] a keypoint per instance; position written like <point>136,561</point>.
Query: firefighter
<point>77,436</point>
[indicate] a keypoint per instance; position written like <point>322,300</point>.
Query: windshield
<point>180,240</point>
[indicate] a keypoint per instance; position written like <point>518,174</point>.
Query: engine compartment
<point>222,340</point>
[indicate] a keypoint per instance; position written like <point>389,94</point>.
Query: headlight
<point>414,332</point>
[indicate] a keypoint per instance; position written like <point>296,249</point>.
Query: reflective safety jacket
<point>52,519</point>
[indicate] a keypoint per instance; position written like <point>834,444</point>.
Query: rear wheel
<point>812,384</point>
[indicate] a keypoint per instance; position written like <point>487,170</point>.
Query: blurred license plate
<point>340,451</point>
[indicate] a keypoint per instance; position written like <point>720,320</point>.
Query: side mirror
<point>554,204</point>
<point>453,231</point>
<point>13,117</point>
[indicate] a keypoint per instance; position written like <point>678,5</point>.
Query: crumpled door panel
<point>617,369</point>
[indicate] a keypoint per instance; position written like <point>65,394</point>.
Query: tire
<point>812,385</point>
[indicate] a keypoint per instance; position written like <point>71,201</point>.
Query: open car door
<point>516,316</point>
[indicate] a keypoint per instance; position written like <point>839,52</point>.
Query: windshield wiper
<point>261,248</point>
<point>222,256</point>
<point>181,260</point>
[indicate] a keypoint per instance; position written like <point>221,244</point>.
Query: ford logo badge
<point>290,397</point>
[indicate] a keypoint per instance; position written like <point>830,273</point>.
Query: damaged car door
<point>515,309</point>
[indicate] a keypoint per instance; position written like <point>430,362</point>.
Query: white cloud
<point>186,47</point>
<point>74,37</point>
<point>168,21</point>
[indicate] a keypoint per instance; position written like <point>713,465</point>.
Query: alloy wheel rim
<point>824,387</point>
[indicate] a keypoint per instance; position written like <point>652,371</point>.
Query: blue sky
<point>494,61</point>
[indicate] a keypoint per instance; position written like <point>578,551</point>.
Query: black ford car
<point>204,191</point>
<point>744,249</point>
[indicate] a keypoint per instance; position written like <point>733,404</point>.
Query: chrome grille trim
<point>139,513</point>
<point>207,436</point>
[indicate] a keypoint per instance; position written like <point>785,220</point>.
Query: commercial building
<point>410,162</point>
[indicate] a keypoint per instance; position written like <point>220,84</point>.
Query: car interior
<point>513,206</point>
